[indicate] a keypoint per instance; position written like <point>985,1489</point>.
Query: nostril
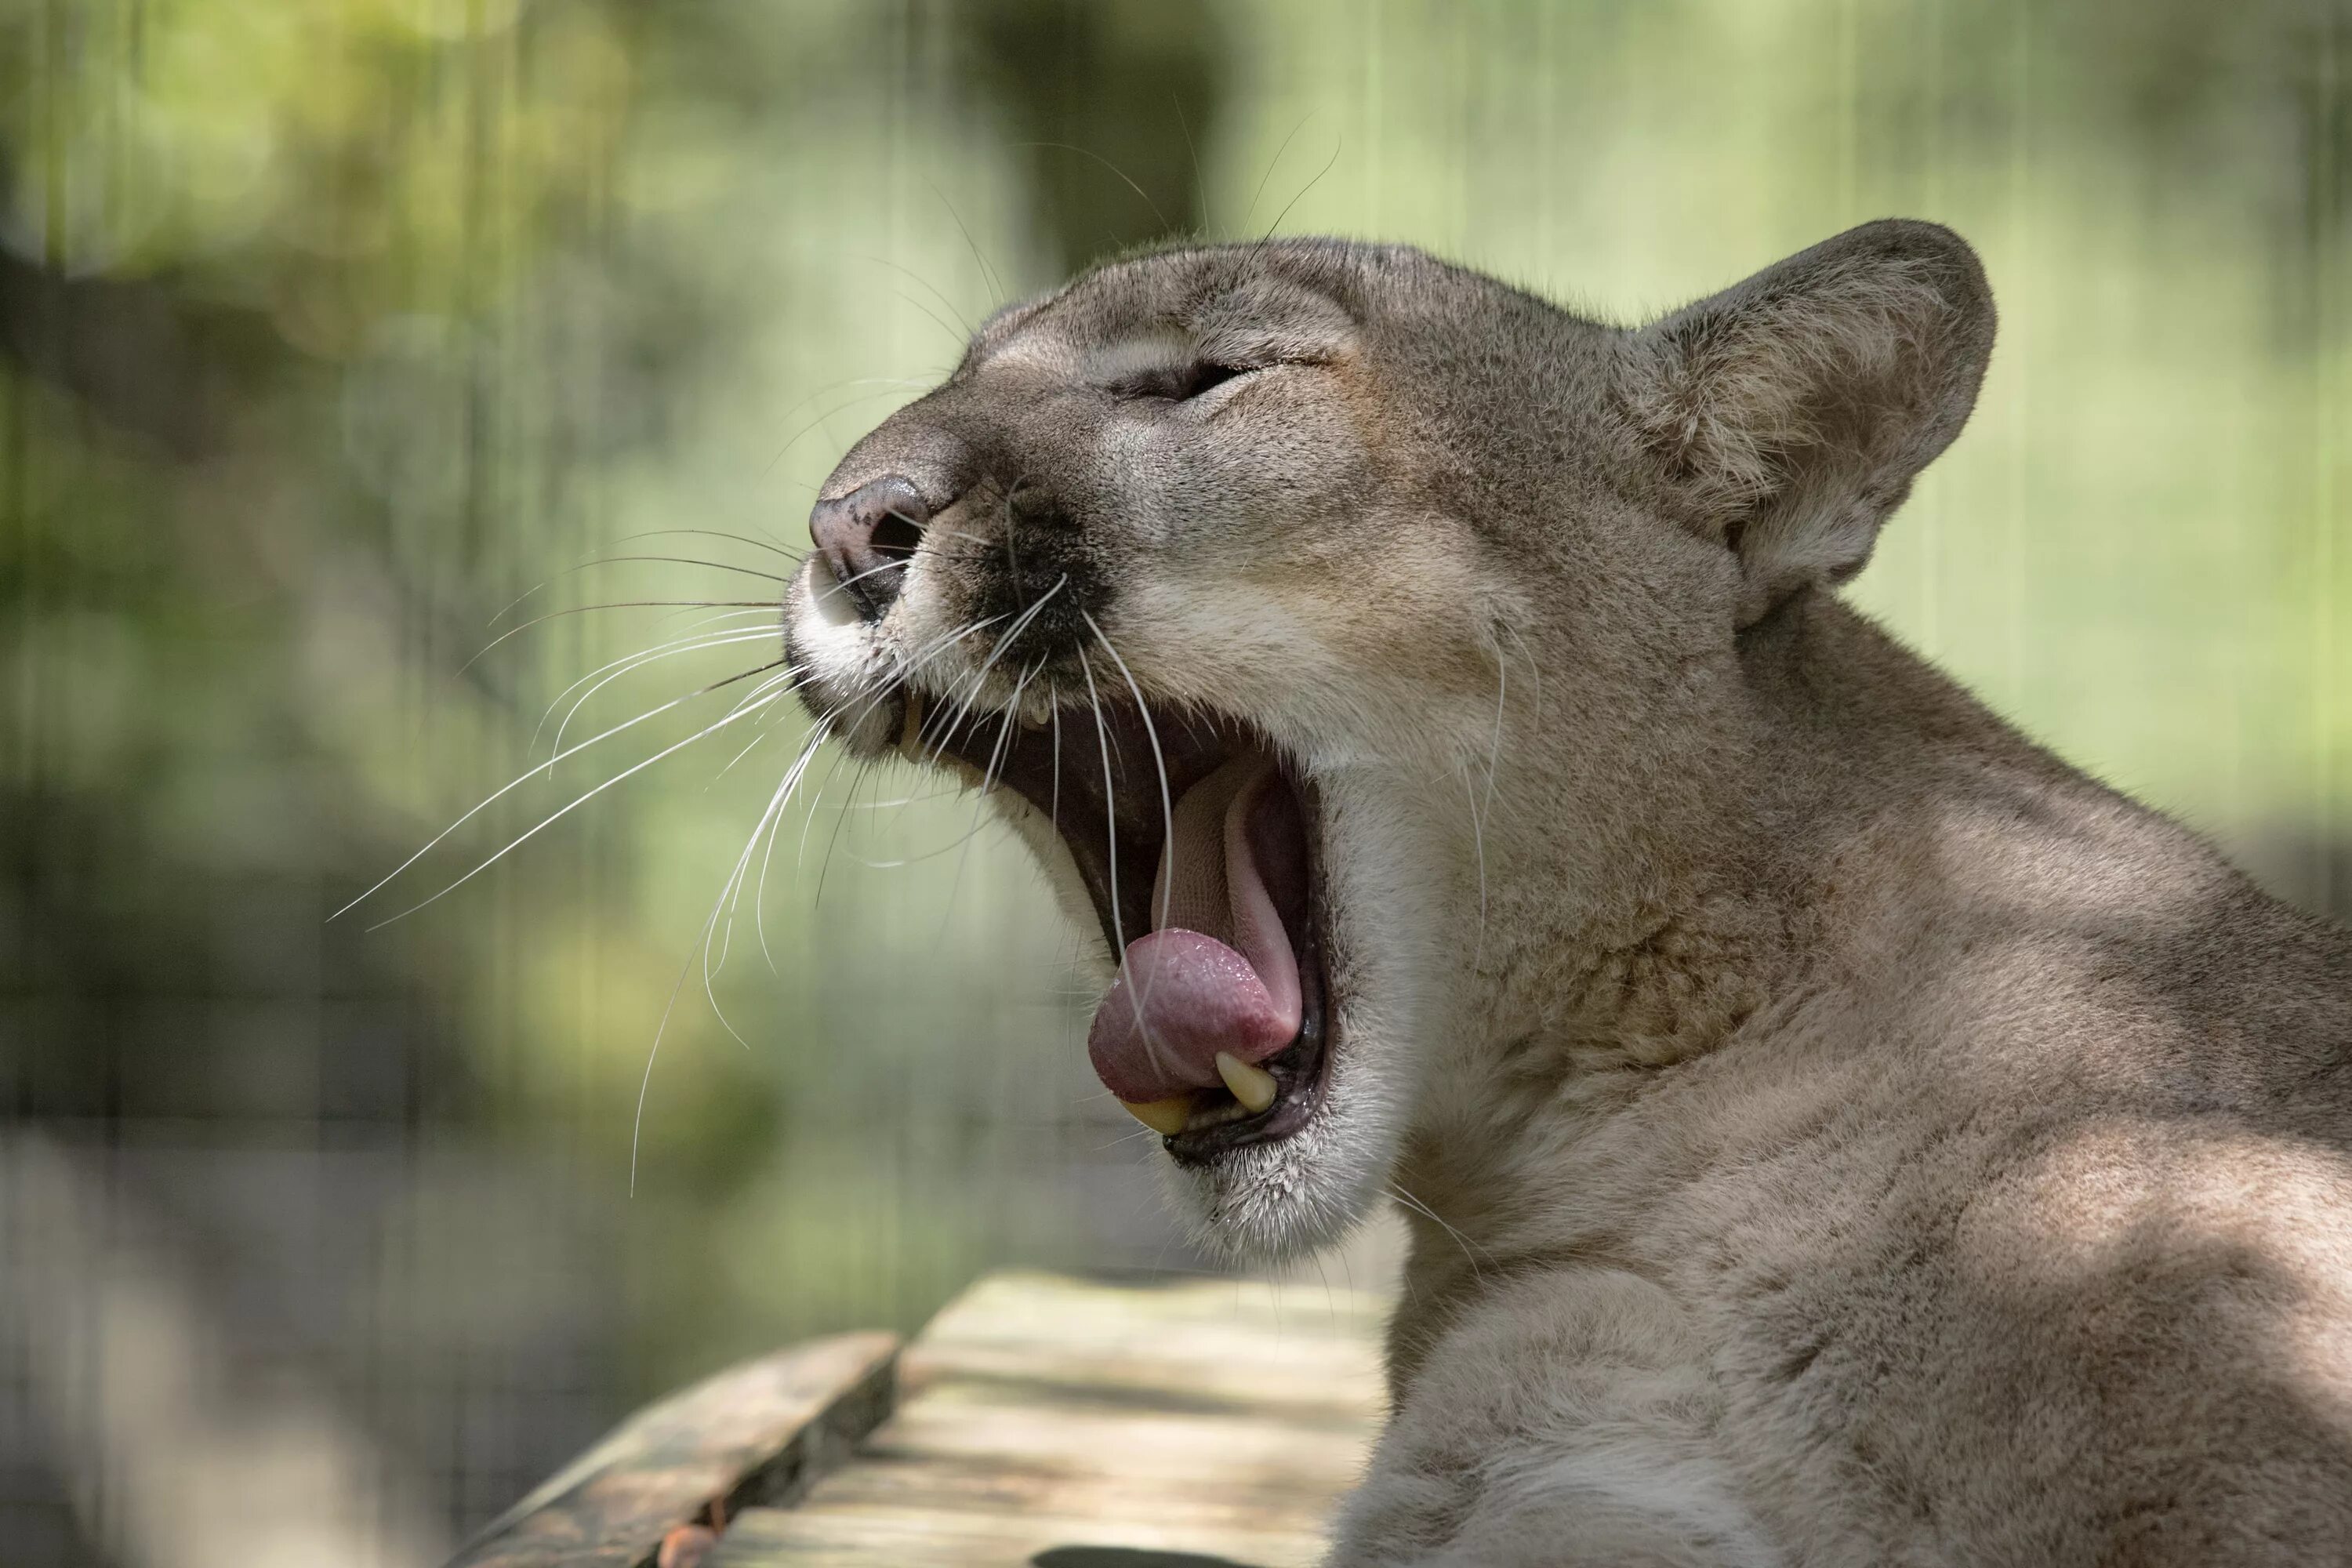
<point>867,537</point>
<point>895,535</point>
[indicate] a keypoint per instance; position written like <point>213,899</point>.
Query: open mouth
<point>1197,841</point>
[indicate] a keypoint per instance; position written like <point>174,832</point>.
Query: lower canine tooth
<point>910,731</point>
<point>1251,1085</point>
<point>1165,1117</point>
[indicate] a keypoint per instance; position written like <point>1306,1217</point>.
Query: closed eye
<point>1197,378</point>
<point>1178,383</point>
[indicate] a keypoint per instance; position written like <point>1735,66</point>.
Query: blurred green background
<point>340,337</point>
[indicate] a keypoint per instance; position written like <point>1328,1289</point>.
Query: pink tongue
<point>1219,974</point>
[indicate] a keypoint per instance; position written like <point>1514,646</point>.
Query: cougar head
<point>1350,634</point>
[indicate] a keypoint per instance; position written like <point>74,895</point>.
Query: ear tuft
<point>1787,417</point>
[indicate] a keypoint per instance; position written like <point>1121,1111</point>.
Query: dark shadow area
<point>1125,1557</point>
<point>1109,107</point>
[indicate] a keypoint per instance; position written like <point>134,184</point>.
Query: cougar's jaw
<point>1204,849</point>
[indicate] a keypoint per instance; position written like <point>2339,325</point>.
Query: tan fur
<point>1835,1132</point>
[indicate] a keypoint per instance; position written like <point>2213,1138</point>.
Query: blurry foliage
<point>334,337</point>
<point>312,160</point>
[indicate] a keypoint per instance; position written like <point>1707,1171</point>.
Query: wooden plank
<point>756,1434</point>
<point>1053,1423</point>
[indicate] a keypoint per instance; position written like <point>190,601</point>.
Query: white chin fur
<point>1272,1202</point>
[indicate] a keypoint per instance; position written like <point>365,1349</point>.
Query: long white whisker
<point>767,612</point>
<point>1478,844</point>
<point>707,632</point>
<point>1158,761</point>
<point>947,716</point>
<point>1535,670</point>
<point>582,800</point>
<point>749,698</point>
<point>781,678</point>
<point>731,894</point>
<point>727,639</point>
<point>839,817</point>
<point>1054,807</point>
<point>653,1052</point>
<point>738,757</point>
<point>996,754</point>
<point>903,801</point>
<point>1110,830</point>
<point>792,556</point>
<point>892,565</point>
<point>792,776</point>
<point>1012,632</point>
<point>626,559</point>
<point>637,1122</point>
<point>808,818</point>
<point>1110,823</point>
<point>1398,1192</point>
<point>1006,638</point>
<point>978,679</point>
<point>949,847</point>
<point>914,667</point>
<point>670,560</point>
<point>484,650</point>
<point>987,783</point>
<point>1166,885</point>
<point>524,778</point>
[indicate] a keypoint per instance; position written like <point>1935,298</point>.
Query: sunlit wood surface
<point>759,1432</point>
<point>1072,1425</point>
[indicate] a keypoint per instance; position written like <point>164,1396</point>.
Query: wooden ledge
<point>1055,1423</point>
<point>756,1435</point>
<point>1041,1422</point>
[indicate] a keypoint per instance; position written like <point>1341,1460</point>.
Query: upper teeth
<point>910,732</point>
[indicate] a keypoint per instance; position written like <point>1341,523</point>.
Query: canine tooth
<point>1165,1117</point>
<point>1251,1085</point>
<point>911,731</point>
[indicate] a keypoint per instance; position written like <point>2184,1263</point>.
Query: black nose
<point>867,536</point>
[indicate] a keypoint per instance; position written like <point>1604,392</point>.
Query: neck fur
<point>1643,942</point>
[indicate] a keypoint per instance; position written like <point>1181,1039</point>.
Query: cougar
<point>1833,1129</point>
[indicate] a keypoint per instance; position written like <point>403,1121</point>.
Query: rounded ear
<point>1786,416</point>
